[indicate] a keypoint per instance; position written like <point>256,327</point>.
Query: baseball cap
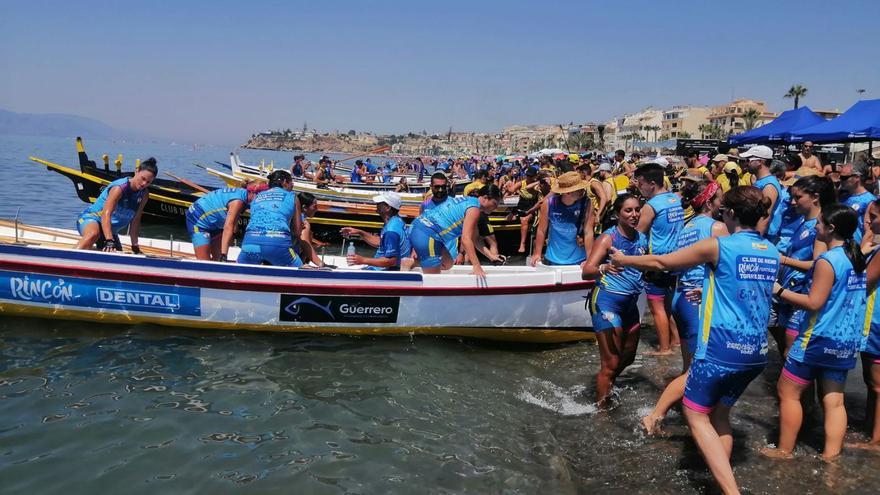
<point>720,158</point>
<point>390,198</point>
<point>761,151</point>
<point>663,162</point>
<point>732,167</point>
<point>605,167</point>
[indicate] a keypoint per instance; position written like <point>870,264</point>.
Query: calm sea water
<point>88,408</point>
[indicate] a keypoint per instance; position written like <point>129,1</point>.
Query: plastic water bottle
<point>351,249</point>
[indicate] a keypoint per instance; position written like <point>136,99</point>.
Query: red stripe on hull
<point>148,278</point>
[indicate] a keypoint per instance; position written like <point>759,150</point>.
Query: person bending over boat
<point>119,205</point>
<point>613,301</point>
<point>436,230</point>
<point>705,199</point>
<point>565,216</point>
<point>212,219</point>
<point>275,225</point>
<point>732,347</point>
<point>830,334</point>
<point>392,243</point>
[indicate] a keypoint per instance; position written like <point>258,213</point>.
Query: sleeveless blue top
<point>696,229</point>
<point>629,281</point>
<point>355,176</point>
<point>832,336</point>
<point>736,301</point>
<point>271,212</point>
<point>393,241</point>
<point>668,221</point>
<point>126,207</point>
<point>430,204</point>
<point>778,207</point>
<point>565,223</point>
<point>800,248</point>
<point>210,211</point>
<point>447,220</point>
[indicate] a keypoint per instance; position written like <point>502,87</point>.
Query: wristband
<point>780,291</point>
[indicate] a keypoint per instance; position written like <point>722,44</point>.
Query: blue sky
<point>218,71</point>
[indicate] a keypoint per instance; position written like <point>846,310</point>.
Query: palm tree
<point>797,91</point>
<point>684,135</point>
<point>751,117</point>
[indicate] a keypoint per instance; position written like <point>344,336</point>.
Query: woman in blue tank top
<point>732,346</point>
<point>808,196</point>
<point>871,335</point>
<point>564,223</point>
<point>212,219</point>
<point>275,227</point>
<point>829,336</point>
<point>119,205</point>
<point>705,199</point>
<point>613,301</point>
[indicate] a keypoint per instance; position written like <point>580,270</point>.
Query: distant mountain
<point>61,125</point>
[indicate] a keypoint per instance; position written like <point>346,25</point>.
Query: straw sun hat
<point>568,182</point>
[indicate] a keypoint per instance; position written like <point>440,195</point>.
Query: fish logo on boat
<point>294,307</point>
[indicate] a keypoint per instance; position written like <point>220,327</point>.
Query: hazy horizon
<point>218,72</point>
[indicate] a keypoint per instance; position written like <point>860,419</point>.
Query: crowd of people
<point>727,249</point>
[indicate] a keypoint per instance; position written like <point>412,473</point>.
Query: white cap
<point>663,162</point>
<point>390,198</point>
<point>760,151</point>
<point>605,167</point>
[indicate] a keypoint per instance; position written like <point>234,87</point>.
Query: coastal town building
<point>683,121</point>
<point>732,117</point>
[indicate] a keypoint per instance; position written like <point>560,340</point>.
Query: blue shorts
<point>427,245</point>
<point>200,236</point>
<point>687,317</point>
<point>709,383</point>
<point>268,254</point>
<point>804,374</point>
<point>84,220</point>
<point>658,285</point>
<point>793,322</point>
<point>611,310</point>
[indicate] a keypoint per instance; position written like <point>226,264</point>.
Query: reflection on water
<point>139,408</point>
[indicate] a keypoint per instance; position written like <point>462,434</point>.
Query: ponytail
<point>845,222</point>
<point>855,255</point>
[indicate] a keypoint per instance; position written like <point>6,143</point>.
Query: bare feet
<point>774,453</point>
<point>873,446</point>
<point>521,249</point>
<point>651,424</point>
<point>831,459</point>
<point>660,352</point>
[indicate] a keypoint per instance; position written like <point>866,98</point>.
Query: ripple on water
<point>546,395</point>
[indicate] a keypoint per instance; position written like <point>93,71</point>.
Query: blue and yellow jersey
<point>668,221</point>
<point>860,203</point>
<point>696,229</point>
<point>832,336</point>
<point>447,220</point>
<point>778,207</point>
<point>430,204</point>
<point>126,207</point>
<point>736,301</point>
<point>800,248</point>
<point>271,212</point>
<point>393,241</point>
<point>564,226</point>
<point>208,213</point>
<point>629,281</point>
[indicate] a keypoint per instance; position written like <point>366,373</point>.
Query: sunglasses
<point>845,177</point>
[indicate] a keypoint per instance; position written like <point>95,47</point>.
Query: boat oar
<point>376,151</point>
<point>192,185</point>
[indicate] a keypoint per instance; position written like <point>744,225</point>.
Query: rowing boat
<point>169,200</point>
<point>41,276</point>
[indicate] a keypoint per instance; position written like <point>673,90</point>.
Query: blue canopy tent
<point>860,123</point>
<point>780,129</point>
